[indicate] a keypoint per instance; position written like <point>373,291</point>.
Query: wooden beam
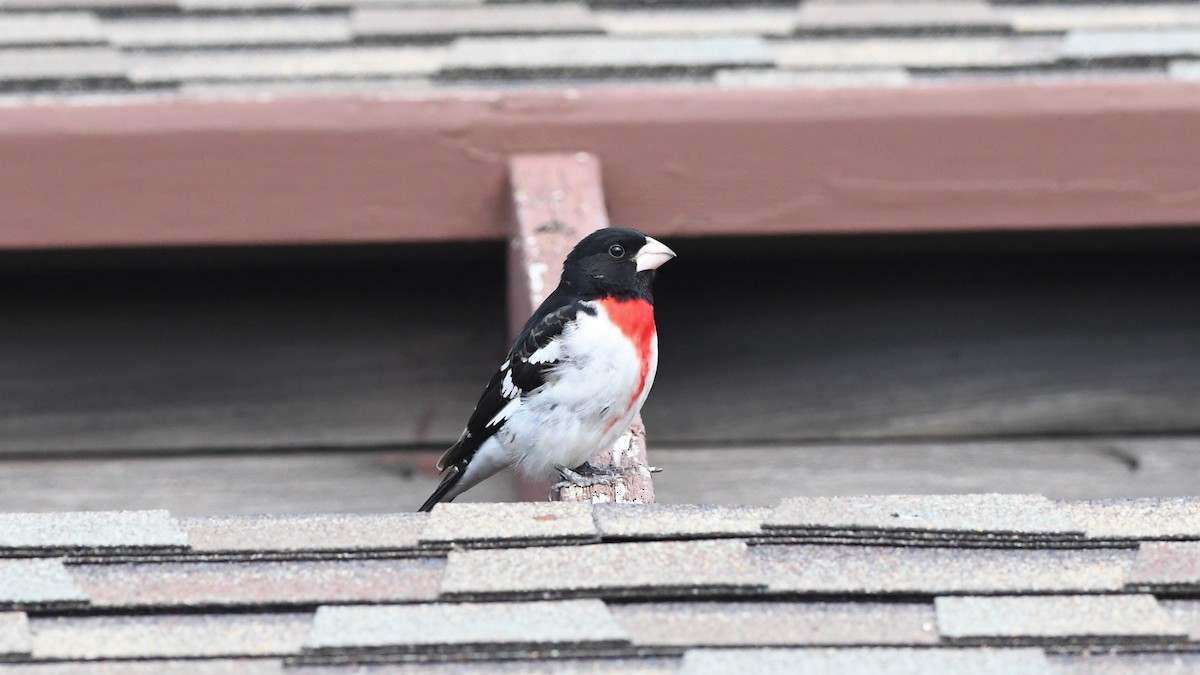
<point>982,156</point>
<point>558,200</point>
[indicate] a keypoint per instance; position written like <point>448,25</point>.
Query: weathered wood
<point>370,482</point>
<point>557,201</point>
<point>194,485</point>
<point>1059,468</point>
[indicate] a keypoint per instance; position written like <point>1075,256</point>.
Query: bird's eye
<point>617,251</point>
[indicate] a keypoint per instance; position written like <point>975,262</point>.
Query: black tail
<point>453,475</point>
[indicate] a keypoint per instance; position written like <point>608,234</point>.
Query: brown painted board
<point>971,156</point>
<point>558,199</point>
<point>368,482</point>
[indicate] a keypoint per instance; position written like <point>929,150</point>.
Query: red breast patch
<point>635,318</point>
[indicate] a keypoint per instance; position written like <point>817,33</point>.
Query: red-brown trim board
<point>677,162</point>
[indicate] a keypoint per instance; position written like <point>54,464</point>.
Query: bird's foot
<point>586,469</point>
<point>586,477</point>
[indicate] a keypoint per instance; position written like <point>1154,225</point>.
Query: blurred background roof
<point>253,47</point>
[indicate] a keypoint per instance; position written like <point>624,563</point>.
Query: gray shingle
<point>776,624</point>
<point>261,583</point>
<point>1149,518</point>
<point>111,531</point>
<point>1031,620</point>
<point>226,31</point>
<point>1093,16</point>
<point>168,636</point>
<point>591,54</point>
<point>498,524</point>
<point>816,79</point>
<point>37,583</point>
<point>964,52</point>
<point>539,666</point>
<point>644,569</point>
<point>153,667</point>
<point>15,639</point>
<point>1171,565</point>
<point>525,19</point>
<point>1186,613</point>
<point>674,521</point>
<point>261,5</point>
<point>885,17</point>
<point>467,630</point>
<point>1125,664</point>
<point>741,20</point>
<point>890,570</point>
<point>49,28</point>
<point>292,536</point>
<point>75,63</point>
<point>882,661</point>
<point>978,516</point>
<point>283,64</point>
<point>1185,70</point>
<point>1133,43</point>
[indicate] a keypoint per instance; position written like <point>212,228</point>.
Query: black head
<point>614,261</point>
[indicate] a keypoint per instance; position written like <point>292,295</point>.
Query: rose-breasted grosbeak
<point>577,375</point>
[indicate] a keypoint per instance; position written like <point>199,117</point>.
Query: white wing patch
<point>505,413</point>
<point>548,354</point>
<point>507,387</point>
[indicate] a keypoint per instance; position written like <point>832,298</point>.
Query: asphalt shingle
<point>64,64</point>
<point>38,583</point>
<point>1125,663</point>
<point>815,79</point>
<point>1185,70</point>
<point>853,569</point>
<point>644,569</point>
<point>247,584</point>
<point>242,666</point>
<point>15,639</point>
<point>882,661</point>
<point>88,638</point>
<point>892,18</point>
<point>147,67</point>
<point>677,521</point>
<point>563,55</point>
<point>742,20</point>
<point>510,524</point>
<point>466,630</point>
<point>304,536</point>
<point>446,23</point>
<point>932,52</point>
<point>95,532</point>
<point>1047,18</point>
<point>1131,44</point>
<point>776,624</point>
<point>1150,518</point>
<point>227,31</point>
<point>1033,620</point>
<point>49,28</point>
<point>1186,613</point>
<point>1166,566</point>
<point>996,518</point>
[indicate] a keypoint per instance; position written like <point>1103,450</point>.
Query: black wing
<point>517,376</point>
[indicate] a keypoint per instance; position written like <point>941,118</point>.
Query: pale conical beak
<point>653,254</point>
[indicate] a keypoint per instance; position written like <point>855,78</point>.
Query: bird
<point>576,376</point>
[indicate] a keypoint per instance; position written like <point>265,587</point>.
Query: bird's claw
<point>587,469</point>
<point>586,475</point>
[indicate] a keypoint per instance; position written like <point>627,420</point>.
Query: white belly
<point>590,398</point>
